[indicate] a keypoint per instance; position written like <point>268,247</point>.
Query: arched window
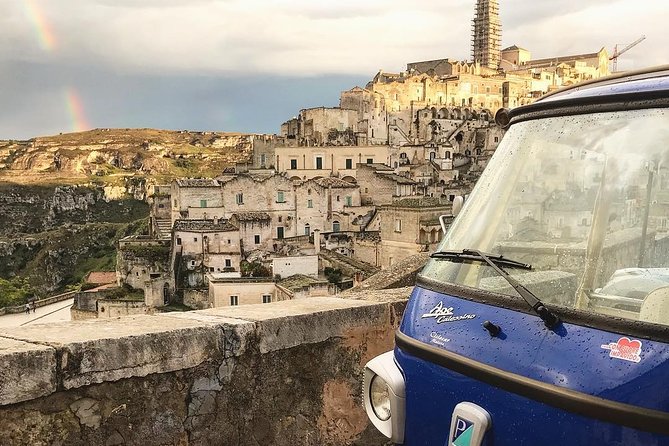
<point>335,226</point>
<point>307,229</point>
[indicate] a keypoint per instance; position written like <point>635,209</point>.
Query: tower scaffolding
<point>487,34</point>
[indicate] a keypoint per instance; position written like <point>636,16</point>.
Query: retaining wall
<point>286,373</point>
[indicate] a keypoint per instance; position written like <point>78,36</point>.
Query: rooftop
<point>334,182</point>
<point>252,216</point>
<point>101,277</point>
<point>420,202</point>
<point>204,225</point>
<point>397,178</point>
<point>197,182</point>
<point>300,281</point>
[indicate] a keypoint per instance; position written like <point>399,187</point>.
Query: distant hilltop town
<point>341,192</point>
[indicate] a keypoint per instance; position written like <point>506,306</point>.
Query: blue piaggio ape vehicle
<point>543,317</point>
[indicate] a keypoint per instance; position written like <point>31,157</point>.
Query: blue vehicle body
<point>575,361</point>
<point>595,378</point>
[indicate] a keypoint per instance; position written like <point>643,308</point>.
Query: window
<point>349,163</point>
<point>370,160</point>
<point>267,298</point>
<point>262,159</point>
<point>175,203</point>
<point>178,241</point>
<point>307,229</point>
<point>293,164</point>
<point>161,206</point>
<point>335,226</point>
<point>319,162</point>
<point>310,203</point>
<point>279,232</point>
<point>234,300</point>
<point>280,197</point>
<point>349,201</point>
<point>195,239</point>
<point>240,198</point>
<point>211,269</point>
<point>398,225</point>
<point>228,263</point>
<point>256,239</point>
<point>203,203</point>
<point>280,219</point>
<point>337,197</point>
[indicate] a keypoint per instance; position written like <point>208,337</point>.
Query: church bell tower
<point>486,34</point>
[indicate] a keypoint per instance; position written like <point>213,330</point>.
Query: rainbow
<point>45,35</point>
<point>75,109</point>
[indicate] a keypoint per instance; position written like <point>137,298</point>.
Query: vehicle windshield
<point>585,200</point>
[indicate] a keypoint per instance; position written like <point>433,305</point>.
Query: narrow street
<point>59,311</point>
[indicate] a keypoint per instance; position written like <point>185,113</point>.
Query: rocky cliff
<point>109,154</point>
<point>66,199</point>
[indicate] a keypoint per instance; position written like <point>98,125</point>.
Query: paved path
<point>59,311</point>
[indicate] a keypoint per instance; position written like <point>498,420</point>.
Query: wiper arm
<point>495,262</point>
<point>472,254</point>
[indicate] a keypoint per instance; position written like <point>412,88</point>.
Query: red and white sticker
<point>625,349</point>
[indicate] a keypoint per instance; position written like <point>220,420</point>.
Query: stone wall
<point>287,373</point>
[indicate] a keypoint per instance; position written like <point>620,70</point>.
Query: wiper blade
<point>471,254</point>
<point>495,262</point>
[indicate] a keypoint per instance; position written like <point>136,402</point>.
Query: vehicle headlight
<point>379,394</point>
<point>383,395</point>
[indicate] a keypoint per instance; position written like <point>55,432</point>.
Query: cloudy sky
<point>248,65</point>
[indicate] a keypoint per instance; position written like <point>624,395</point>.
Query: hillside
<point>108,155</point>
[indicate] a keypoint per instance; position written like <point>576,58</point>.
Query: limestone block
<point>288,324</point>
<point>107,350</point>
<point>16,359</point>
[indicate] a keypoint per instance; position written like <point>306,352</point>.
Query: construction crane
<point>616,53</point>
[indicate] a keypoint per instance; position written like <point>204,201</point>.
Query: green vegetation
<point>125,293</point>
<point>333,275</point>
<point>254,269</point>
<point>151,253</point>
<point>60,259</point>
<point>14,292</point>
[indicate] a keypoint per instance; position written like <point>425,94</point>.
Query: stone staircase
<point>163,228</point>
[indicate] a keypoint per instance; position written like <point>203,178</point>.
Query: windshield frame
<point>559,108</point>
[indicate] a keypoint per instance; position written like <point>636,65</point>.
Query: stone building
<point>300,286</point>
<point>372,128</point>
<point>230,292</point>
<point>409,226</point>
<point>143,263</point>
<point>327,204</point>
<point>272,194</point>
<point>201,247</point>
<point>196,198</point>
<point>323,126</point>
<point>303,163</point>
<point>256,231</point>
<point>380,185</point>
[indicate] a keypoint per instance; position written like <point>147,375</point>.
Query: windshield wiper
<point>496,262</point>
